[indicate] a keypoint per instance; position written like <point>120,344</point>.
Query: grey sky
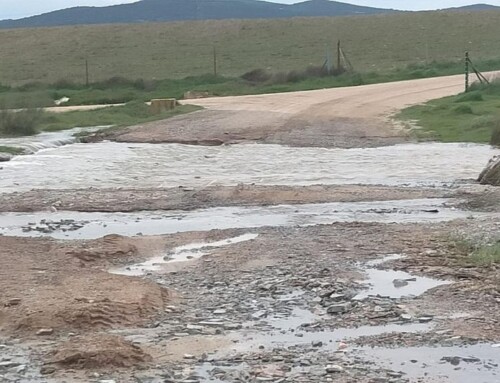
<point>22,8</point>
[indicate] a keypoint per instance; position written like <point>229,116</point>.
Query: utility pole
<point>467,61</point>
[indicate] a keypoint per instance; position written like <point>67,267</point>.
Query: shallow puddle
<point>478,363</point>
<point>109,164</point>
<point>396,284</point>
<point>180,254</point>
<point>78,225</point>
<point>287,332</point>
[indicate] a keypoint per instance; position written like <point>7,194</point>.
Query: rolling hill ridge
<point>180,10</point>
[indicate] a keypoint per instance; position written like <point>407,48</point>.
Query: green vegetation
<point>379,43</point>
<point>32,121</point>
<point>469,117</point>
<point>257,81</point>
<point>477,254</point>
<point>11,150</point>
<point>486,255</point>
<point>135,63</point>
<point>20,123</point>
<point>125,115</point>
<point>495,135</point>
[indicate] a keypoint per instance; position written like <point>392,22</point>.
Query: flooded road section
<point>107,164</point>
<point>294,302</point>
<point>47,140</point>
<point>81,225</point>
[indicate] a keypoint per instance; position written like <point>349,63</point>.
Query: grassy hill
<point>178,10</point>
<point>378,43</point>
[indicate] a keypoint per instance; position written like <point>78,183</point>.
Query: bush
<point>4,88</point>
<point>65,84</point>
<point>463,109</point>
<point>482,122</point>
<point>486,255</point>
<point>256,75</point>
<point>20,123</point>
<point>492,88</point>
<point>295,76</point>
<point>470,96</point>
<point>146,85</point>
<point>495,135</point>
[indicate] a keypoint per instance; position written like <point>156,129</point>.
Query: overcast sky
<point>22,8</point>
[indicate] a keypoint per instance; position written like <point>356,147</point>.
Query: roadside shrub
<point>486,255</point>
<point>482,122</point>
<point>147,85</point>
<point>474,96</point>
<point>495,135</point>
<point>34,85</point>
<point>65,84</point>
<point>256,75</point>
<point>479,254</point>
<point>279,78</point>
<point>20,123</point>
<point>295,76</point>
<point>113,82</point>
<point>463,109</point>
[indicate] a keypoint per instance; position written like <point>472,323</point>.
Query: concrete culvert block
<point>491,174</point>
<point>163,104</point>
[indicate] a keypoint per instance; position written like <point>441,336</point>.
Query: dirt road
<point>339,117</point>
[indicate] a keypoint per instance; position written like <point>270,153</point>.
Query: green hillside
<point>377,43</point>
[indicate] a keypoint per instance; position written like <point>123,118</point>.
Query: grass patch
<point>486,255</point>
<point>378,43</point>
<point>11,150</point>
<point>126,115</point>
<point>122,90</point>
<point>470,96</point>
<point>20,123</point>
<point>463,109</point>
<point>475,254</point>
<point>495,135</point>
<point>468,117</point>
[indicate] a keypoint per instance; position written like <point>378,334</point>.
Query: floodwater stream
<point>109,164</point>
<point>118,165</point>
<point>47,140</point>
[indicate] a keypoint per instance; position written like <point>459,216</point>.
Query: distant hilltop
<point>180,10</point>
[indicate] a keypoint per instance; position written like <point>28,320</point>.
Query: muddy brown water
<point>108,164</point>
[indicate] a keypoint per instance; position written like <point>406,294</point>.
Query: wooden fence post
<point>467,61</point>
